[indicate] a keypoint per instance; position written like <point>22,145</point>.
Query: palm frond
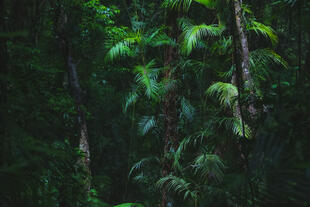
<point>193,34</point>
<point>130,99</point>
<point>187,110</point>
<point>227,74</point>
<point>177,4</point>
<point>225,92</point>
<point>265,30</point>
<point>168,85</point>
<point>239,129</point>
<point>209,165</point>
<point>266,56</point>
<point>161,40</point>
<point>138,165</point>
<point>130,205</point>
<point>146,76</point>
<point>185,4</point>
<point>177,185</point>
<point>211,4</point>
<point>146,123</point>
<point>120,49</point>
<point>194,140</point>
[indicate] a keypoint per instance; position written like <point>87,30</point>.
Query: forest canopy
<point>170,103</point>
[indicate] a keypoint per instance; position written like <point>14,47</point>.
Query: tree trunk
<point>170,105</point>
<point>242,77</point>
<point>75,92</point>
<point>242,62</point>
<point>241,56</point>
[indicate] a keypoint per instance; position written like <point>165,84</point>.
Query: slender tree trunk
<point>170,105</point>
<point>242,77</point>
<point>242,61</point>
<point>75,92</point>
<point>241,55</point>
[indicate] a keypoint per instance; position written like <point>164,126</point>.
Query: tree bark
<point>242,77</point>
<point>75,91</point>
<point>170,105</point>
<point>241,56</point>
<point>243,49</point>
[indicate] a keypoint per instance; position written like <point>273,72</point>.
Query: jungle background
<point>154,103</point>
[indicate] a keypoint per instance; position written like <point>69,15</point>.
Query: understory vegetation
<point>170,103</point>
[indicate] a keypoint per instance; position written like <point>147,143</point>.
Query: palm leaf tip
<point>146,124</point>
<point>120,49</point>
<point>225,92</point>
<point>130,100</point>
<point>177,185</point>
<point>177,4</point>
<point>209,164</point>
<point>146,77</point>
<point>193,34</point>
<point>265,30</point>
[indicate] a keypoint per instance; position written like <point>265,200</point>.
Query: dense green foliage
<point>167,124</point>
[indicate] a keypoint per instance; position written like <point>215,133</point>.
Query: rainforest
<point>154,103</point>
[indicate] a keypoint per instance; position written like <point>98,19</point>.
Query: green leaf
<point>146,77</point>
<point>225,92</point>
<point>266,31</point>
<point>146,124</point>
<point>129,205</point>
<point>193,34</point>
<point>207,3</point>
